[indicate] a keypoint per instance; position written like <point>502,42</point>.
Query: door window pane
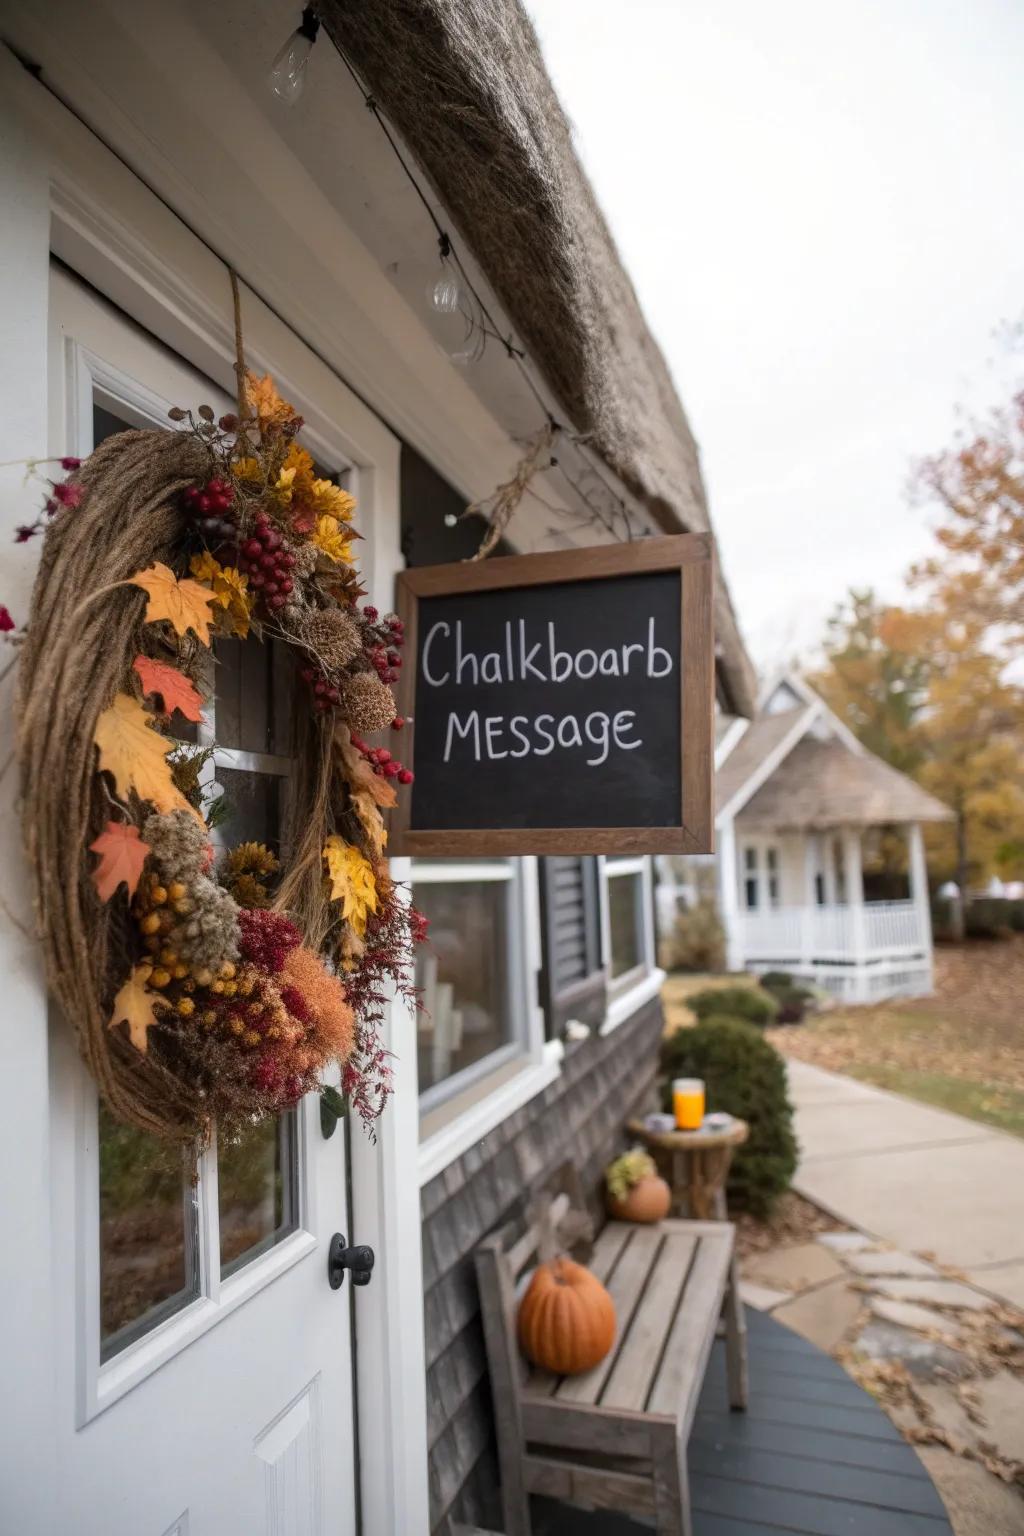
<point>254,807</point>
<point>149,1265</point>
<point>257,1191</point>
<point>463,974</point>
<point>253,696</point>
<point>625,922</point>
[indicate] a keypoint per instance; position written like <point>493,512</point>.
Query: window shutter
<point>573,982</point>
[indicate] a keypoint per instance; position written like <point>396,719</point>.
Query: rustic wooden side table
<point>695,1164</point>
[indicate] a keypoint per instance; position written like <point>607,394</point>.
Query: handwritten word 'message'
<point>446,661</point>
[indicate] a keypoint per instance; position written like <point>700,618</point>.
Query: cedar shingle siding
<point>579,1117</point>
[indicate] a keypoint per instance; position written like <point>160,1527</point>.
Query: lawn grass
<point>991,1103</point>
<point>961,1049</point>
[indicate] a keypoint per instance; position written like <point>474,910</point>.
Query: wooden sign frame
<point>691,554</point>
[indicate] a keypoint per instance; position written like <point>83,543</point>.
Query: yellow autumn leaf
<point>352,882</point>
<point>136,1006</point>
<point>331,540</point>
<point>136,755</point>
<point>184,604</point>
<point>247,469</point>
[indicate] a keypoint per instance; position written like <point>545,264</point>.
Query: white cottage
<point>801,806</point>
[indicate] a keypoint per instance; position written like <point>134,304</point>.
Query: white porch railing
<point>819,935</point>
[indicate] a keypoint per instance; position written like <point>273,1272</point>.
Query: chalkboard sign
<point>560,703</point>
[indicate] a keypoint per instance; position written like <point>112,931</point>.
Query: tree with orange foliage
<point>979,573</point>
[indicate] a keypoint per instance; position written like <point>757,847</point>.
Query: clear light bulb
<point>288,74</point>
<point>446,294</point>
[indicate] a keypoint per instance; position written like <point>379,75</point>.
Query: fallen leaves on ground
<point>122,854</point>
<point>794,1220</point>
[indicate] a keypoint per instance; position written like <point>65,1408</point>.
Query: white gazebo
<point>797,798</point>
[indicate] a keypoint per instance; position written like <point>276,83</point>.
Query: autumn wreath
<point>209,988</point>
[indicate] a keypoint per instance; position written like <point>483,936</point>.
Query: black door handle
<point>341,1257</point>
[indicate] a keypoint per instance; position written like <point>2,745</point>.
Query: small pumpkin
<point>634,1190</point>
<point>566,1318</point>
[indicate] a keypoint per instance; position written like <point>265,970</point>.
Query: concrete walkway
<point>913,1176</point>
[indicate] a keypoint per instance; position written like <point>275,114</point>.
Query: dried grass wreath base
<point>306,966</point>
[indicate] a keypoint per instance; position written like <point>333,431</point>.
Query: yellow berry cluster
<point>158,907</point>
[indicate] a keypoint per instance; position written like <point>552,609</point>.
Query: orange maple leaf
<point>185,604</point>
<point>136,755</point>
<point>136,1006</point>
<point>173,686</point>
<point>122,855</point>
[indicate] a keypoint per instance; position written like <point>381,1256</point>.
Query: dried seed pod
<point>367,704</point>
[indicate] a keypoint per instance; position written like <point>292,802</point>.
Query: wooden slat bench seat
<point>615,1437</point>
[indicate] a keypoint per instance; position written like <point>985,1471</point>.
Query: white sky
<point>821,204</point>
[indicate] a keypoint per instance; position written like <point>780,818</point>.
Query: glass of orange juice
<point>688,1102</point>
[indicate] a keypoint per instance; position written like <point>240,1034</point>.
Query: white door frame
<point>64,192</point>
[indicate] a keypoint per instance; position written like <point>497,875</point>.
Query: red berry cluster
<point>211,505</point>
<point>325,695</point>
<point>267,563</point>
<point>384,765</point>
<point>388,639</point>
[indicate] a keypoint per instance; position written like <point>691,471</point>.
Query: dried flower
<point>271,411</point>
<point>245,870</point>
<point>68,492</point>
<point>6,622</point>
<point>230,591</point>
<point>367,704</point>
<point>331,541</point>
<point>207,934</point>
<point>266,939</point>
<point>324,997</point>
<point>332,636</point>
<point>329,500</point>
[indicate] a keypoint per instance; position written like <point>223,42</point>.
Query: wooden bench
<point>616,1437</point>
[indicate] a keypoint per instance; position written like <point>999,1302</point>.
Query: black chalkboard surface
<point>555,700</point>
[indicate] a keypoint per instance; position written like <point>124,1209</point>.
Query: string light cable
<point>455,292</point>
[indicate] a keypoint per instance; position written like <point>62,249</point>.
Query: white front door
<point>204,1380</point>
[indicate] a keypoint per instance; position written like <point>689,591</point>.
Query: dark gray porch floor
<point>812,1454</point>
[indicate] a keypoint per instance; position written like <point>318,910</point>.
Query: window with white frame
<point>761,875</point>
<point>470,972</point>
<point>628,919</point>
<point>160,1233</point>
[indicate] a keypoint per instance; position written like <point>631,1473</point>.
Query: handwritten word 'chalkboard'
<point>550,714</point>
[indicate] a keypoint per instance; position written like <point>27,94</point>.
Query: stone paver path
<point>914,1176</point>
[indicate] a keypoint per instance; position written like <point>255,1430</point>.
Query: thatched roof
<point>823,784</point>
<point>464,83</point>
<point>760,739</point>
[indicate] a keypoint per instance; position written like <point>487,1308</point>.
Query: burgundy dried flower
<point>68,493</point>
<point>25,532</point>
<point>266,938</point>
<point>6,622</point>
<point>70,462</point>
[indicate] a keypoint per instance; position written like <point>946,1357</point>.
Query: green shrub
<point>792,998</point>
<point>744,1076</point>
<point>697,942</point>
<point>748,1003</point>
<point>988,917</point>
<point>776,981</point>
<point>793,1004</point>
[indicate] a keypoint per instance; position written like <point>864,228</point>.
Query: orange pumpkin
<point>566,1318</point>
<point>650,1199</point>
